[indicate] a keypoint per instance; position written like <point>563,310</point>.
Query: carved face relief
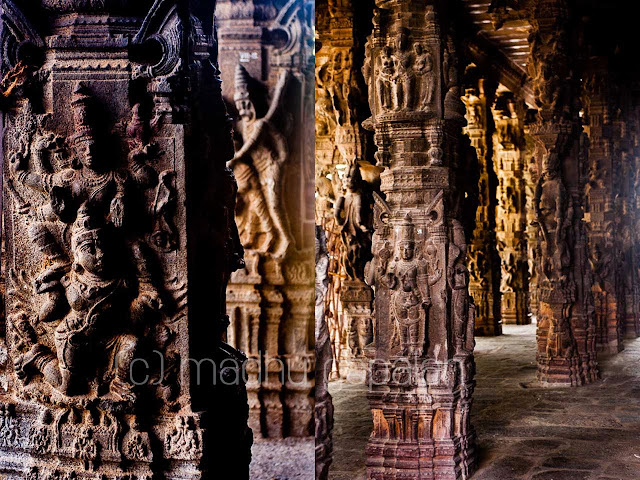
<point>407,250</point>
<point>90,254</point>
<point>246,110</point>
<point>86,151</point>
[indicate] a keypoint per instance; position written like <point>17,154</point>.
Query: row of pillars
<point>571,211</point>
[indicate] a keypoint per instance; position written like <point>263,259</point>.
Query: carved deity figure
<point>509,274</point>
<point>408,279</point>
<point>100,320</point>
<point>423,68</point>
<point>553,214</point>
<point>458,279</point>
<point>325,117</point>
<point>386,77</point>
<point>94,299</point>
<point>474,107</point>
<point>352,213</point>
<point>404,81</point>
<point>601,260</point>
<point>360,335</point>
<point>257,166</point>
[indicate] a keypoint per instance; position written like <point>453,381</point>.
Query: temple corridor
<point>525,431</point>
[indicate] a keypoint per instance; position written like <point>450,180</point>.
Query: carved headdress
<point>80,102</point>
<point>406,231</point>
<point>242,79</point>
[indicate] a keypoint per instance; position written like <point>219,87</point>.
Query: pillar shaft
<point>422,378</point>
<point>566,325</point>
<point>115,306</point>
<point>338,111</point>
<point>604,215</point>
<point>484,260</point>
<point>531,179</point>
<point>270,300</point>
<point>509,161</point>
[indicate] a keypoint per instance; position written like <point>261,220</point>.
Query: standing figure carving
<point>554,214</point>
<point>408,279</point>
<point>257,166</point>
<point>386,77</point>
<point>423,67</point>
<point>458,279</point>
<point>404,83</point>
<point>353,215</point>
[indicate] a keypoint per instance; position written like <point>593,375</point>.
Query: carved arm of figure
<point>390,279</point>
<point>148,296</point>
<point>423,282</point>
<point>357,207</point>
<point>454,255</point>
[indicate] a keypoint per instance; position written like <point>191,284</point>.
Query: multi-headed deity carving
<point>258,167</point>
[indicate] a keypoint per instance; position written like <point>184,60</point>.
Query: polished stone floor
<point>526,431</point>
<point>287,459</point>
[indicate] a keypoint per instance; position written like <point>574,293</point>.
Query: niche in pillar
<point>116,282</point>
<point>270,300</point>
<point>422,378</point>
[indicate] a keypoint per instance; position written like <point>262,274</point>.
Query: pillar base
<point>568,372</point>
<point>421,420</point>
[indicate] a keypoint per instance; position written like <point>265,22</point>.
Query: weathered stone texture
<point>115,143</point>
<point>265,57</point>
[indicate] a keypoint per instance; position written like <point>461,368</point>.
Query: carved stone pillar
<point>605,216</point>
<point>117,139</point>
<point>268,85</point>
<point>422,379</point>
<point>625,152</point>
<point>511,215</point>
<point>632,330</point>
<point>484,260</point>
<point>566,325</point>
<point>338,109</point>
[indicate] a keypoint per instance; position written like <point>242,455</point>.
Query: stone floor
<point>526,431</point>
<point>288,459</point>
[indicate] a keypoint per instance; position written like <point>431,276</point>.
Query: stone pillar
<point>604,215</point>
<point>268,86</point>
<point>632,330</point>
<point>117,139</point>
<point>511,214</point>
<point>422,377</point>
<point>531,179</point>
<point>484,260</point>
<point>337,116</point>
<point>566,325</point>
<point>625,152</point>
